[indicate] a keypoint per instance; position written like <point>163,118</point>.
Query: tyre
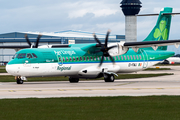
<point>19,81</point>
<point>73,80</point>
<point>109,78</point>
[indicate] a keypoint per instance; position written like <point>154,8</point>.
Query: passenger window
<point>94,58</point>
<point>125,57</point>
<point>81,58</point>
<point>34,55</point>
<point>67,59</point>
<point>140,57</point>
<point>63,59</point>
<point>104,58</point>
<point>137,57</point>
<point>84,58</point>
<point>70,59</point>
<point>128,57</point>
<point>134,57</point>
<point>121,57</point>
<point>74,58</point>
<point>59,59</point>
<point>77,58</point>
<point>87,58</point>
<point>91,59</point>
<point>29,55</point>
<point>131,58</point>
<point>118,58</point>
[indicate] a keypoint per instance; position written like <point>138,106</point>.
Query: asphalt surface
<point>164,85</point>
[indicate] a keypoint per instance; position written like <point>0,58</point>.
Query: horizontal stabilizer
<point>158,14</point>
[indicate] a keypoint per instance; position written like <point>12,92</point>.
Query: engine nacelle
<point>92,71</point>
<point>119,50</point>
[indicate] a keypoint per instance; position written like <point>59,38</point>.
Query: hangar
<point>62,37</point>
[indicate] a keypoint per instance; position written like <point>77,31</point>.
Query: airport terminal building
<point>63,37</point>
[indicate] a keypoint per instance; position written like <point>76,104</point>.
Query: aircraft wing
<point>153,44</point>
<point>14,46</point>
<point>18,47</point>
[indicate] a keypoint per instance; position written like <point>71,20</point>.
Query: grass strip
<point>3,71</point>
<point>92,108</point>
<point>9,78</point>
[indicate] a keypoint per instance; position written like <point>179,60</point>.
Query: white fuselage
<point>53,69</point>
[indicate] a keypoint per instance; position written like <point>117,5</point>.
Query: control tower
<point>130,9</point>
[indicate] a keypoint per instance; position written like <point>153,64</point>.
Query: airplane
<point>94,60</point>
<point>172,60</point>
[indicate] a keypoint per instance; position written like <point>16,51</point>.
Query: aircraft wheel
<point>109,78</point>
<point>19,81</point>
<point>73,80</point>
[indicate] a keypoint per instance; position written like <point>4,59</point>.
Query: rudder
<point>162,28</point>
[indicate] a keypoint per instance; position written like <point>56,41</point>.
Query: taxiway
<point>164,85</point>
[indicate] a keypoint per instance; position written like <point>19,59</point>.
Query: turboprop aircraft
<point>94,60</point>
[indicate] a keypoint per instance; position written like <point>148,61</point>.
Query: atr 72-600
<point>94,60</point>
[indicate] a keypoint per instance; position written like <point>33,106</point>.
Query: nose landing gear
<point>18,80</point>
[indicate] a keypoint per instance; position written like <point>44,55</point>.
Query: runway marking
<point>125,83</point>
<point>136,89</point>
<point>12,91</point>
<point>160,88</point>
<point>43,90</point>
<point>61,90</point>
<point>111,89</point>
<point>38,90</point>
<point>87,89</point>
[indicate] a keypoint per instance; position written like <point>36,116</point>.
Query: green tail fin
<point>162,28</point>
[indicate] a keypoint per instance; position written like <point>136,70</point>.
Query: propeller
<point>104,48</point>
<point>37,41</point>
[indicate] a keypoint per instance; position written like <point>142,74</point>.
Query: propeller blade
<point>112,47</point>
<point>37,41</point>
<point>97,40</point>
<point>27,39</point>
<point>112,59</point>
<point>102,59</point>
<point>104,48</point>
<point>107,35</point>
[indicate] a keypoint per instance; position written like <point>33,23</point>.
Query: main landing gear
<point>18,80</point>
<point>109,77</point>
<point>73,80</point>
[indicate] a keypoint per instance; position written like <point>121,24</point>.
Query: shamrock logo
<point>162,31</point>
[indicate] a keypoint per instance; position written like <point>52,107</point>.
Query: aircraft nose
<point>11,69</point>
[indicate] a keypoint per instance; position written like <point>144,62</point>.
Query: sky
<point>85,15</point>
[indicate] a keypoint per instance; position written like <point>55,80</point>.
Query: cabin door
<point>60,60</point>
<point>145,58</point>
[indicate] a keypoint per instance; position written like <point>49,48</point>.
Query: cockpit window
<point>34,55</point>
<point>29,55</point>
<point>21,55</point>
